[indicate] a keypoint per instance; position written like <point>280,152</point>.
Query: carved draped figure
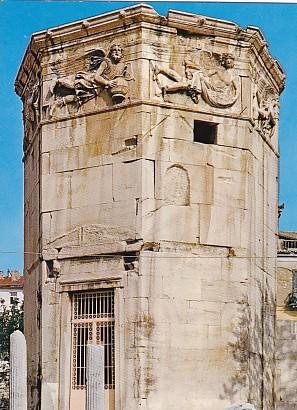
<point>220,94</point>
<point>219,88</point>
<point>88,83</point>
<point>211,76</point>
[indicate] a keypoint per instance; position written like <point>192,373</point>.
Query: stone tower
<point>151,164</point>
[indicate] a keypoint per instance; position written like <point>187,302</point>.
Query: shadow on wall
<point>252,349</point>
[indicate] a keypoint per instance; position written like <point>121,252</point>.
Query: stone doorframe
<point>66,289</point>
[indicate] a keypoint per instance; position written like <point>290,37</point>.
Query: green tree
<point>11,319</point>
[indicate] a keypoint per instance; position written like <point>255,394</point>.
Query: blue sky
<point>19,19</point>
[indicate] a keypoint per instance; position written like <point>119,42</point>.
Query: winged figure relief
<point>31,114</point>
<point>209,75</point>
<point>265,108</point>
<point>105,71</point>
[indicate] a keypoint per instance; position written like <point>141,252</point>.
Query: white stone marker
<point>18,371</point>
<point>95,377</point>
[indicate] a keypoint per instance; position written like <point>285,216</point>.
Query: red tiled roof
<point>7,282</point>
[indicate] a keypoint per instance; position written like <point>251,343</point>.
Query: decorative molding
<point>90,240</point>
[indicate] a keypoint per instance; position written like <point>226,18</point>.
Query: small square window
<point>205,132</point>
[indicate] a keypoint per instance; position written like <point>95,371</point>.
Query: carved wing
<point>266,93</point>
<point>95,58</point>
<point>208,60</point>
<point>269,94</point>
<point>63,67</point>
<point>261,87</point>
<point>82,62</point>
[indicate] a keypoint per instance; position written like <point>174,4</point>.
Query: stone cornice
<point>188,22</point>
<point>202,25</point>
<point>58,35</point>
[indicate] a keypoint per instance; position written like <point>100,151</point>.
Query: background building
<point>11,298</point>
<point>286,322</point>
<point>11,287</point>
<point>151,164</point>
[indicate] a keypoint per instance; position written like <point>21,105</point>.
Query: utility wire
<point>161,254</point>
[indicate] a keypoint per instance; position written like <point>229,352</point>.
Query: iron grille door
<point>92,322</point>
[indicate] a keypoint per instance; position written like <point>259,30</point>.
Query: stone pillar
<point>95,377</point>
<point>18,371</point>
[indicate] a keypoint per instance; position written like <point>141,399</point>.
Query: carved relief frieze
<point>96,73</point>
<point>265,107</point>
<point>207,75</point>
<point>31,110</point>
<point>88,240</point>
<point>90,235</point>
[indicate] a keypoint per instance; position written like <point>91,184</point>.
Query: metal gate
<point>92,322</point>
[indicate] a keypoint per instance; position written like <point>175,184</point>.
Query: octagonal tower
<point>151,164</point>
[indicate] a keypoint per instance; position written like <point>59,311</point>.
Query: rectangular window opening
<point>205,132</point>
<point>13,297</point>
<point>93,322</point>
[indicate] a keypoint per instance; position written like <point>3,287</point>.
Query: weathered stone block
<point>56,192</point>
<point>63,160</point>
<point>192,184</point>
<point>133,180</point>
<point>230,188</point>
<point>121,214</point>
<point>63,134</point>
<point>223,226</point>
<point>221,157</point>
<point>190,153</point>
<point>160,223</point>
<point>208,313</point>
<point>91,186</point>
<point>246,406</point>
